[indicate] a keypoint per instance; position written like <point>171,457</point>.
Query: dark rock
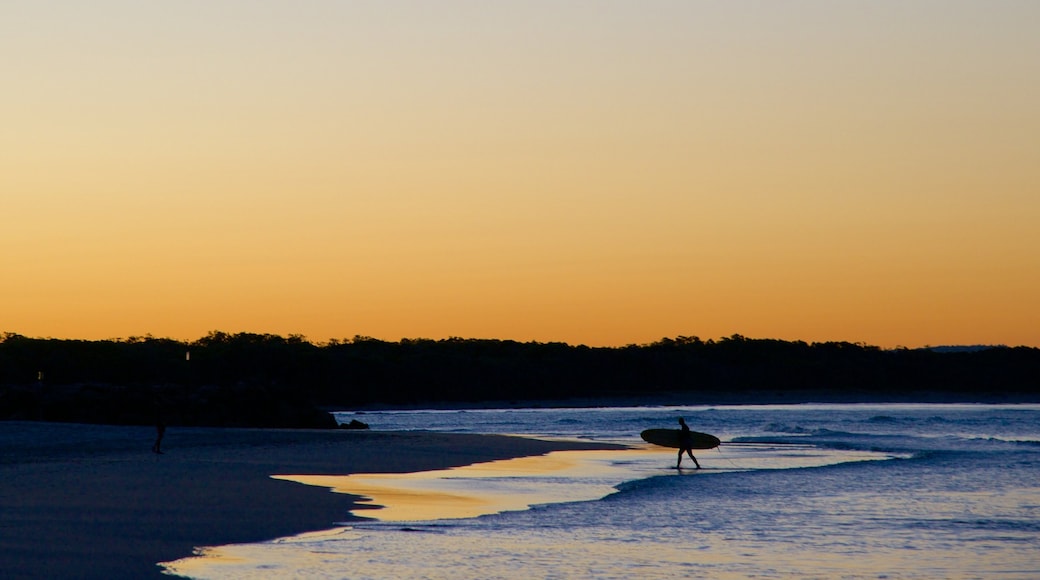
<point>354,424</point>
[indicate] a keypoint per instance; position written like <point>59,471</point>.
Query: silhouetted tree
<point>228,373</point>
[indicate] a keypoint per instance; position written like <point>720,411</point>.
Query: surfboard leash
<point>730,461</point>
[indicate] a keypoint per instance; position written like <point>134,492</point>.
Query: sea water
<point>794,491</point>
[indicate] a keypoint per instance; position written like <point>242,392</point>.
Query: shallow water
<point>804,491</point>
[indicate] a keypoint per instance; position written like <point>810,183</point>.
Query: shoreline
<point>792,397</point>
<point>93,501</point>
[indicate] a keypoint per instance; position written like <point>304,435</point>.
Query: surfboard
<point>670,438</point>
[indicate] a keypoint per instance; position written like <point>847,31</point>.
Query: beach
<point>93,501</point>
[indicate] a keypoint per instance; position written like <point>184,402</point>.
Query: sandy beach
<point>93,501</point>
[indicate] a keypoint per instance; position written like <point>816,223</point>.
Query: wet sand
<point>91,501</point>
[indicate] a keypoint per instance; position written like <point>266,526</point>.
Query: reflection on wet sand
<point>562,476</point>
<point>483,488</point>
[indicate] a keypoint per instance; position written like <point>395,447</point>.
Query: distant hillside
<point>221,374</point>
<point>971,348</point>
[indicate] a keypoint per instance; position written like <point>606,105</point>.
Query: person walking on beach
<point>685,444</point>
<point>160,430</point>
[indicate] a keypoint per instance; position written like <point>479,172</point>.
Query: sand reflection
<point>561,476</point>
<point>483,488</point>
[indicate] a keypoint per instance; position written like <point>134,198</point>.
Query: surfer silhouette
<point>685,444</point>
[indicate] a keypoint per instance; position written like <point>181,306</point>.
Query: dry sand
<point>92,501</point>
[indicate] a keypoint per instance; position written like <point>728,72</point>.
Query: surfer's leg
<point>690,453</point>
<point>679,461</point>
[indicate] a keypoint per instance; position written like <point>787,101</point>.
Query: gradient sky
<point>592,172</point>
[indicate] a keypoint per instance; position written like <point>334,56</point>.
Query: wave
<point>887,419</point>
<point>649,483</point>
<point>790,429</point>
<point>1005,440</point>
<point>1012,526</point>
<point>800,434</point>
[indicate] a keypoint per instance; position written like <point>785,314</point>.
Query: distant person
<point>160,430</point>
<point>685,444</point>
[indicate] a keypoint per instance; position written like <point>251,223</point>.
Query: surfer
<point>685,444</point>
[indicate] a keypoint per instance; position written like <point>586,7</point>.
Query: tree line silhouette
<point>276,379</point>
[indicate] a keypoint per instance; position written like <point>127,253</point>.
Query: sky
<point>592,172</point>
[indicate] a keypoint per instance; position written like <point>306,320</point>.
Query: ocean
<point>794,491</point>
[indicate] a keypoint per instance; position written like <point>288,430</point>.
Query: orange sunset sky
<point>596,172</point>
